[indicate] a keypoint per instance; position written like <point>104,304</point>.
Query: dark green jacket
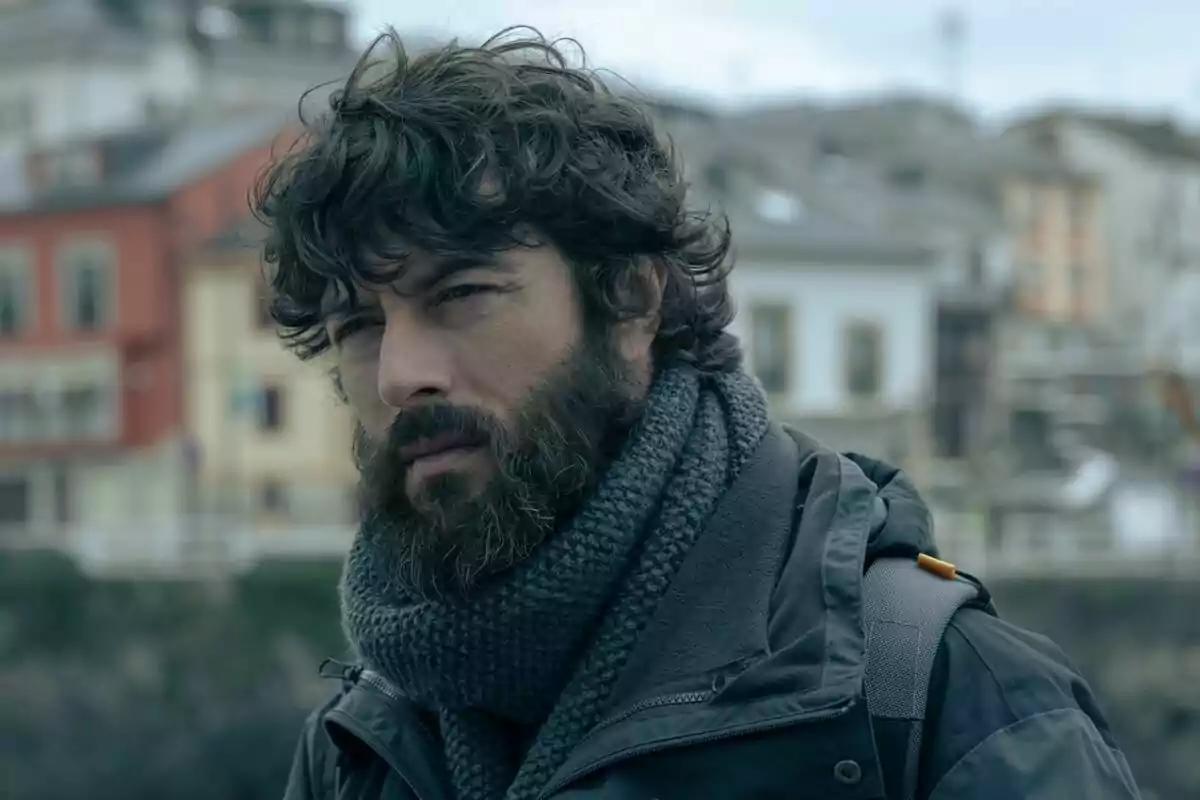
<point>748,681</point>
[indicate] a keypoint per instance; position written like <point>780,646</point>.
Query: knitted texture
<point>542,648</point>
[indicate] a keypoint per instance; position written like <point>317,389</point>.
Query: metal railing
<point>1141,534</point>
<point>183,547</point>
<point>1106,542</point>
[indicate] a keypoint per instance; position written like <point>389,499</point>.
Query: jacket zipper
<point>333,669</point>
<point>816,716</point>
<point>682,698</point>
<point>355,673</point>
<point>380,683</point>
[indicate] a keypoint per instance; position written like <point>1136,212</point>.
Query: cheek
<point>515,354</point>
<point>360,387</point>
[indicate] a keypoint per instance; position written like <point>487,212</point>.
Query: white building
<point>77,69</point>
<point>837,322</point>
<point>835,315</point>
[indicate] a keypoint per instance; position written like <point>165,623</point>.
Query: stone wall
<point>148,690</point>
<point>193,691</point>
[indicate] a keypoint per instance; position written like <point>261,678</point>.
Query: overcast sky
<point>1017,53</point>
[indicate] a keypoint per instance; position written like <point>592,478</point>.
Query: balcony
<point>57,399</point>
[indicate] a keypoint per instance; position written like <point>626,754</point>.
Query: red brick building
<point>91,377</point>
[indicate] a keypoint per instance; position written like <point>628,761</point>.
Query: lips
<point>436,445</point>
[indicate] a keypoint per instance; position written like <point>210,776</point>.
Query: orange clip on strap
<point>943,569</point>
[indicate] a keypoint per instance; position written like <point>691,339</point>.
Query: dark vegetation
<point>196,691</point>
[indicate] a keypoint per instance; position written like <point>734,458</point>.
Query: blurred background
<point>968,241</point>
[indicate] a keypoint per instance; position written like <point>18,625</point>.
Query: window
<point>155,110</point>
<point>1079,278</point>
<point>16,299</point>
<point>950,426</point>
<point>87,412</point>
<point>717,176</point>
<point>771,346</point>
<point>270,409</point>
<point>1079,290</point>
<point>828,147</point>
<point>70,168</point>
<point>286,28</point>
<point>977,265</point>
<point>21,416</point>
<point>87,281</point>
<point>864,360</point>
<point>14,501</point>
<point>1032,276</point>
<point>62,494</point>
<point>907,178</point>
<point>16,117</point>
<point>831,164</point>
<point>327,29</point>
<point>10,422</point>
<point>1078,206</point>
<point>1030,210</point>
<point>272,496</point>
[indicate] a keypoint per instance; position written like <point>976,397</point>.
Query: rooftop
<point>777,208</point>
<point>910,132</point>
<point>149,163</point>
<point>1155,136</point>
<point>42,29</point>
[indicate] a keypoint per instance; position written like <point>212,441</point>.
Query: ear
<point>635,336</point>
<point>654,279</point>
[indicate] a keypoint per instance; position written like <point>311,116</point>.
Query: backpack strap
<point>907,605</point>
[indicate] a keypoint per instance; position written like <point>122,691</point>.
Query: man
<point>576,576</point>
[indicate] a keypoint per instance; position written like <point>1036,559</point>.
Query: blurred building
<point>935,156</point>
<point>271,441</point>
<point>92,379</point>
<point>836,324</point>
<point>1101,379</point>
<point>1150,170</point>
<point>1060,252</point>
<point>871,165</point>
<point>72,69</point>
<point>835,317</point>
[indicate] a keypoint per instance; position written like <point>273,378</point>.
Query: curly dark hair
<point>455,151</point>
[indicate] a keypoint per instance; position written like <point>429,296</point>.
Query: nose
<point>414,366</point>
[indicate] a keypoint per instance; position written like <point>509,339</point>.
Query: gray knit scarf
<point>537,653</point>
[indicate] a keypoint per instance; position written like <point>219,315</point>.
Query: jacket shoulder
<point>313,770</point>
<point>1010,716</point>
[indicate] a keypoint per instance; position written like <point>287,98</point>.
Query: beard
<point>454,534</point>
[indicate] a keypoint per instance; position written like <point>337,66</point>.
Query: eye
<point>461,292</point>
<point>350,327</point>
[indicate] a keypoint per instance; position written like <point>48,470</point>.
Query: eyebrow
<point>426,279</point>
<point>445,268</point>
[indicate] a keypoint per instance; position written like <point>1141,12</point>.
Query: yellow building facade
<point>1060,247</point>
<point>272,441</point>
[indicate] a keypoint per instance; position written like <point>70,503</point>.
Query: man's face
<point>486,408</point>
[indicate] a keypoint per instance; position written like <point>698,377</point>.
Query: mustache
<point>375,455</point>
<point>435,421</point>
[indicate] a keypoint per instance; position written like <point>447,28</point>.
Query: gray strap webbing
<point>905,612</point>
